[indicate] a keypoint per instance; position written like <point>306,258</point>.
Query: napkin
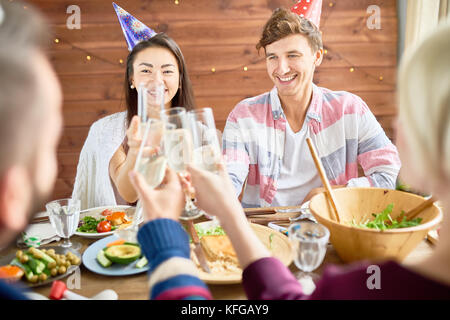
<point>38,233</point>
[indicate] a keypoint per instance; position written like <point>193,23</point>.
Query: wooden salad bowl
<point>353,243</point>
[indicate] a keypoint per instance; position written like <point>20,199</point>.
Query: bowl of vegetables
<point>372,223</point>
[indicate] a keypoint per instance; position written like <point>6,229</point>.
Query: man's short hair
<point>23,32</point>
<point>284,23</point>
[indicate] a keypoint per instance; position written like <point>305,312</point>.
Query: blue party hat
<point>133,30</point>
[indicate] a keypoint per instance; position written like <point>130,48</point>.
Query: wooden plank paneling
<point>246,83</point>
<point>207,32</point>
<point>203,58</point>
<point>101,11</point>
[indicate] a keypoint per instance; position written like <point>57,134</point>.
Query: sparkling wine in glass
<point>178,147</point>
<point>206,147</point>
<point>64,216</point>
<point>151,161</point>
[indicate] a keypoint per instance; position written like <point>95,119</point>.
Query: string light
<point>177,2</point>
<point>331,4</point>
<point>88,58</point>
<point>245,68</point>
<point>213,69</point>
<point>325,51</point>
<point>120,61</point>
<point>56,40</point>
<point>352,69</point>
<point>380,78</point>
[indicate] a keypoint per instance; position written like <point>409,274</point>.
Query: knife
<point>197,247</point>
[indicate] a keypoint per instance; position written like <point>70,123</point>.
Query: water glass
<point>64,215</point>
<point>309,243</point>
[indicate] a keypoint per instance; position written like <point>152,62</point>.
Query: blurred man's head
<point>30,117</point>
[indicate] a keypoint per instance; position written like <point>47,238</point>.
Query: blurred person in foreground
<point>423,138</point>
<point>30,123</point>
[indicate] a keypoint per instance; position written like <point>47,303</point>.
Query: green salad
<point>214,231</point>
<point>384,221</point>
<point>89,224</point>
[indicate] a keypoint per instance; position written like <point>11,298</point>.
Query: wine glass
<point>178,149</point>
<point>150,102</point>
<point>206,153</point>
<point>309,243</point>
<point>64,216</point>
<point>151,161</point>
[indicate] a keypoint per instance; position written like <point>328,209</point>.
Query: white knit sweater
<point>93,185</point>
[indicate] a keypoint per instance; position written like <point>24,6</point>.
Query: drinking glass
<point>151,98</point>
<point>64,215</point>
<point>178,147</point>
<point>309,243</point>
<point>206,153</point>
<point>151,161</point>
<point>206,147</point>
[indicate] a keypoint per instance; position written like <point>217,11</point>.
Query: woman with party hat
<point>112,145</point>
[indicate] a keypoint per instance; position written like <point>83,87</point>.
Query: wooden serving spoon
<point>323,176</point>
<point>413,213</point>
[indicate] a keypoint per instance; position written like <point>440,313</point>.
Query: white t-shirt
<point>298,175</point>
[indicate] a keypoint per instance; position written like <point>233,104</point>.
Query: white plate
<point>96,213</point>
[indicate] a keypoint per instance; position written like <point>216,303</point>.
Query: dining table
<point>135,287</point>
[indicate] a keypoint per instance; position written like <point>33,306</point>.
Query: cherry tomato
<point>106,212</point>
<point>104,226</point>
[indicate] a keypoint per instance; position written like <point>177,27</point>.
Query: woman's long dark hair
<point>184,96</point>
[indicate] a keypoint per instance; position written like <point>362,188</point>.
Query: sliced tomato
<point>104,226</point>
<point>106,212</point>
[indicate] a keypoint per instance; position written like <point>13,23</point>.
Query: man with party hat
<point>264,140</point>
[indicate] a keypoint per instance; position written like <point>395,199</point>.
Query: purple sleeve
<point>269,279</point>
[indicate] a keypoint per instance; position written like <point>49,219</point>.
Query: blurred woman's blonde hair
<point>424,105</point>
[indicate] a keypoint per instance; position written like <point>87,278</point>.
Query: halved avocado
<point>123,254</point>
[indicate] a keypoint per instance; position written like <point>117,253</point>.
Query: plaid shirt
<point>342,128</point>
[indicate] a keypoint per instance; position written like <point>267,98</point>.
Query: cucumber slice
<point>103,260</point>
<point>142,262</point>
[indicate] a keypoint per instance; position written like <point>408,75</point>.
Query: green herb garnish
<point>384,221</point>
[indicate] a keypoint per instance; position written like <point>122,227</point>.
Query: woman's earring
<point>131,87</point>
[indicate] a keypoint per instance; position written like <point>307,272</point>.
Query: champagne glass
<point>309,243</point>
<point>206,148</point>
<point>151,161</point>
<point>151,98</point>
<point>64,216</point>
<point>178,149</point>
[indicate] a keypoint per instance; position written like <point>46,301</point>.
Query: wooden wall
<point>219,34</point>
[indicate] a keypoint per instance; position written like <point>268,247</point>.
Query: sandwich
<point>219,248</point>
